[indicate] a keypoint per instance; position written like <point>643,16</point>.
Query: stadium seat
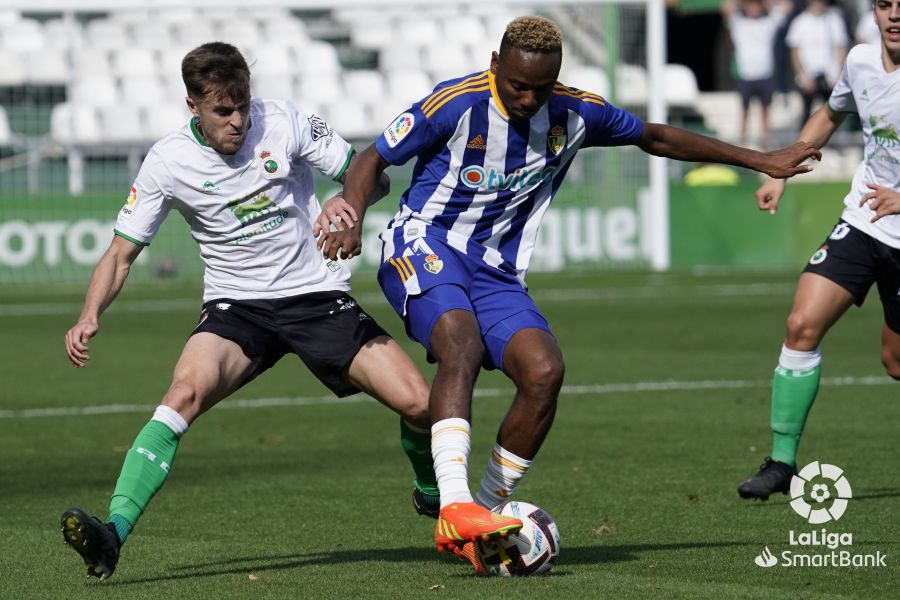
<point>350,118</point>
<point>75,124</point>
<point>275,87</point>
<point>587,78</point>
<point>631,85</point>
<point>25,35</point>
<point>317,58</point>
<point>134,61</point>
<point>446,57</point>
<point>464,29</point>
<point>150,33</point>
<point>122,123</point>
<point>169,60</point>
<point>47,67</point>
<point>59,33</point>
<point>190,34</point>
<point>374,34</point>
<point>143,91</point>
<point>406,88</point>
<point>363,84</point>
<point>399,58</point>
<point>681,85</point>
<point>89,61</point>
<point>96,91</point>
<point>12,71</point>
<point>318,88</point>
<point>107,34</point>
<point>5,132</point>
<point>241,33</point>
<point>271,60</point>
<point>163,119</point>
<point>417,31</point>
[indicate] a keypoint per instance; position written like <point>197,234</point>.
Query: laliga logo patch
<point>556,141</point>
<point>820,256</point>
<point>398,130</point>
<point>270,165</point>
<point>832,477</point>
<point>132,196</point>
<point>433,264</point>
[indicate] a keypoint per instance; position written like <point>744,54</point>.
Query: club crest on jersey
<point>270,165</point>
<point>433,264</point>
<point>399,129</point>
<point>820,256</point>
<point>556,140</point>
<point>318,128</point>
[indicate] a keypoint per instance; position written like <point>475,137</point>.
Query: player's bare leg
<point>456,344</point>
<point>210,368</point>
<point>384,371</point>
<point>818,304</point>
<point>534,362</point>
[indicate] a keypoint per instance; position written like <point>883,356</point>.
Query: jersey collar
<point>492,80</point>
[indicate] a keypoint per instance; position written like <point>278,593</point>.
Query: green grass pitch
<point>665,410</point>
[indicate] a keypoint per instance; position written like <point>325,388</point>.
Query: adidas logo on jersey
<point>477,143</point>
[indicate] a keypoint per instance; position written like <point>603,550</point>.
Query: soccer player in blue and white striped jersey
<point>492,149</point>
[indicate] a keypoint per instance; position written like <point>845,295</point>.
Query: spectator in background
<point>818,41</point>
<point>752,26</point>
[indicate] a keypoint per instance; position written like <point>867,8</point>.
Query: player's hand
<point>786,162</point>
<point>769,194</point>
<point>884,201</point>
<point>77,340</point>
<point>337,212</point>
<point>340,244</point>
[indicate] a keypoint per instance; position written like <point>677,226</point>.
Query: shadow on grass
<point>581,555</point>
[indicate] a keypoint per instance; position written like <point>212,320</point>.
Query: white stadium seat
<point>681,85</point>
<point>47,67</point>
<point>91,62</point>
<point>134,61</point>
<point>373,34</point>
<point>25,35</point>
<point>271,60</point>
<point>106,33</point>
<point>317,88</point>
<point>143,91</point>
<point>122,123</point>
<point>75,124</point>
<point>418,32</point>
<point>161,120</point>
<point>275,87</point>
<point>12,69</point>
<point>363,84</point>
<point>317,57</point>
<point>406,88</point>
<point>399,57</point>
<point>446,57</point>
<point>5,132</point>
<point>95,91</point>
<point>631,85</point>
<point>350,118</point>
<point>587,78</point>
<point>464,29</point>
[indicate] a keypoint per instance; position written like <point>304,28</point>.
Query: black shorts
<point>325,329</point>
<point>855,260</point>
<point>759,88</point>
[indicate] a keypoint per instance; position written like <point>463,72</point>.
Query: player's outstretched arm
<point>680,144</point>
<point>817,131</point>
<point>106,282</point>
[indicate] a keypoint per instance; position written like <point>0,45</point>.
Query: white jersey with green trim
<point>867,89</point>
<point>251,212</point>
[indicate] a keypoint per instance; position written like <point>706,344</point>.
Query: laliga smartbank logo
<point>820,493</point>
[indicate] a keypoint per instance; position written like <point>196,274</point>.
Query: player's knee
<point>802,333</point>
<point>413,401</point>
<point>542,378</point>
<point>185,399</point>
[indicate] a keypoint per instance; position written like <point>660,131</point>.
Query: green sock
<point>793,393</point>
<point>145,470</point>
<point>417,445</point>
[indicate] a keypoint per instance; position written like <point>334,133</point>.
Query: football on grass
<point>531,551</point>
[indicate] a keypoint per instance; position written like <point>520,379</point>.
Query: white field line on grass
<point>541,295</point>
<point>567,390</point>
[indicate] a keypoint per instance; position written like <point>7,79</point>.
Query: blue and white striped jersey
<point>482,181</point>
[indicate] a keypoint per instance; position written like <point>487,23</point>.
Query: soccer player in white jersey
<point>863,248</point>
<point>492,149</point>
<point>240,174</point>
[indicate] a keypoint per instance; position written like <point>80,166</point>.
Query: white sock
<point>799,360</point>
<point>504,472</point>
<point>450,446</point>
<point>170,417</point>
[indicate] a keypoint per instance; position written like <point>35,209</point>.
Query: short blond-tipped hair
<point>533,34</point>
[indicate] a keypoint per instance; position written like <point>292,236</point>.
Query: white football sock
<point>504,472</point>
<point>450,446</point>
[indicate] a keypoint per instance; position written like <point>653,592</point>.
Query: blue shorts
<point>426,278</point>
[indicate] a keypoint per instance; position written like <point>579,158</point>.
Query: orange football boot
<point>463,522</point>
